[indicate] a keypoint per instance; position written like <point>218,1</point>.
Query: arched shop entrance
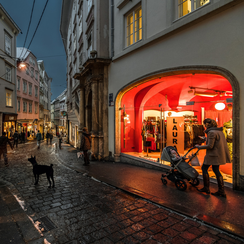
<point>183,97</point>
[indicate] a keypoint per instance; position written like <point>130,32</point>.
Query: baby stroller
<point>181,169</point>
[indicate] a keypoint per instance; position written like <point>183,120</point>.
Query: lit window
<point>8,98</point>
<point>8,72</point>
<point>134,27</point>
<point>187,6</point>
<point>7,44</point>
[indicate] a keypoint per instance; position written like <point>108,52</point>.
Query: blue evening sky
<point>47,44</point>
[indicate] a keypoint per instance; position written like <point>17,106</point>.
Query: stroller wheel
<point>180,184</point>
<point>194,182</point>
<point>164,181</point>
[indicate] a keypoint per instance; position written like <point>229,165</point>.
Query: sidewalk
<point>226,214</point>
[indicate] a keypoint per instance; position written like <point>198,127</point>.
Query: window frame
<point>18,83</point>
<point>8,75</point>
<point>30,107</point>
<point>131,29</point>
<point>193,6</point>
<point>6,36</point>
<point>24,106</point>
<point>9,98</point>
<point>36,91</point>
<point>24,86</point>
<point>18,105</point>
<point>30,89</point>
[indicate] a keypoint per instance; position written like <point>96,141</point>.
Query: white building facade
<point>175,59</point>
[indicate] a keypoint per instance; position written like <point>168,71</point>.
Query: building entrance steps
<point>223,213</point>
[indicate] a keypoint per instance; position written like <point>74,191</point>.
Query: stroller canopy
<point>166,153</point>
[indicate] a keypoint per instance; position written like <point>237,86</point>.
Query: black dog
<point>41,169</point>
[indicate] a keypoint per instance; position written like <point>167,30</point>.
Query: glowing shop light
<point>220,106</point>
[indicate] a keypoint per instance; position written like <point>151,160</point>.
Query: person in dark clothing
<point>16,138</point>
<point>3,147</point>
<point>38,138</point>
<point>217,154</point>
<point>47,136</point>
<point>85,144</point>
<point>60,141</point>
<point>50,137</point>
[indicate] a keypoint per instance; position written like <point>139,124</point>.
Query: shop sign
<point>190,103</point>
<point>175,133</point>
<point>111,99</point>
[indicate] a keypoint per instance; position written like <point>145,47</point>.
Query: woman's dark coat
<point>85,143</point>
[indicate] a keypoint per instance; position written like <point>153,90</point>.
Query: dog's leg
<point>48,178</point>
<point>52,179</point>
<point>37,179</point>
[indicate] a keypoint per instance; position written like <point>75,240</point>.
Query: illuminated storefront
<point>9,124</point>
<point>169,111</point>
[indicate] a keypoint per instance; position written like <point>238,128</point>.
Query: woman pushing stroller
<point>217,154</point>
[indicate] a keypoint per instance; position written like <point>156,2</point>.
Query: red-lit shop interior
<point>187,98</point>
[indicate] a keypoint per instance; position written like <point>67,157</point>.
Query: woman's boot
<point>206,184</point>
<point>221,186</point>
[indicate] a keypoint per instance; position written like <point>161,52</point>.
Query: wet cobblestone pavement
<point>82,210</point>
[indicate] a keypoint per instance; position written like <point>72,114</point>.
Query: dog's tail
<point>51,165</point>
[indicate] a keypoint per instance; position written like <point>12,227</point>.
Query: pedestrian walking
<point>60,141</point>
<point>47,136</point>
<point>217,154</point>
<point>50,137</point>
<point>38,138</point>
<point>3,147</point>
<point>85,145</point>
<point>16,138</point>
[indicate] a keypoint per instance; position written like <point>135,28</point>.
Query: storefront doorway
<point>188,98</point>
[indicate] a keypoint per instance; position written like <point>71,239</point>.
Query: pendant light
<point>220,106</point>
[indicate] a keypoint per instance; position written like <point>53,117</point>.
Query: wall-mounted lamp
<point>21,64</point>
<point>93,53</point>
<point>205,94</point>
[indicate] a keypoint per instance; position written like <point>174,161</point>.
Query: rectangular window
<point>27,70</point>
<point>30,89</point>
<point>18,83</point>
<point>30,107</point>
<point>36,75</point>
<point>89,44</point>
<point>36,91</point>
<point>8,72</point>
<point>32,72</point>
<point>24,86</point>
<point>187,6</point>
<point>18,105</point>
<point>36,108</point>
<point>8,42</point>
<point>9,98</point>
<point>24,106</point>
<point>89,5</point>
<point>74,41</point>
<point>80,27</point>
<point>134,26</point>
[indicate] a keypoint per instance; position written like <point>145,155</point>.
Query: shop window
<point>30,107</point>
<point>187,6</point>
<point>24,106</point>
<point>8,72</point>
<point>8,41</point>
<point>9,98</point>
<point>134,26</point>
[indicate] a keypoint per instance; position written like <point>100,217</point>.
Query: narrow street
<point>81,209</point>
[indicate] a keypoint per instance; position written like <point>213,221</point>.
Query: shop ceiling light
<point>205,94</point>
<point>219,106</point>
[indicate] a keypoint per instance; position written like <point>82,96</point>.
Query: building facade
<point>28,93</point>
<point>175,63</point>
<point>8,105</point>
<point>85,32</point>
<point>45,99</point>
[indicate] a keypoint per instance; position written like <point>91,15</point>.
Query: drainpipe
<point>112,28</point>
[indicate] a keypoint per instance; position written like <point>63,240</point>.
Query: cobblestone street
<point>81,209</point>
